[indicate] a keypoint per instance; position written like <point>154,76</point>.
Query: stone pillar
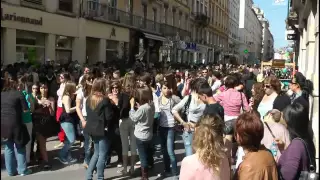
<point>9,42</point>
<point>79,44</point>
<point>102,50</point>
<point>79,49</point>
<point>310,46</point>
<point>50,47</point>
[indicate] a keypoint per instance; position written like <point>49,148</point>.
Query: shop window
<point>30,47</point>
<point>66,5</point>
<point>112,51</point>
<point>63,49</point>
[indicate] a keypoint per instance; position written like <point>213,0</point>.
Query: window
<point>173,16</point>
<point>165,15</point>
<point>198,7</point>
<point>30,47</point>
<point>180,19</point>
<point>187,22</point>
<point>63,49</point>
<point>154,14</point>
<point>66,5</point>
<point>145,11</point>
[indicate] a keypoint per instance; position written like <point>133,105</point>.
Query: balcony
<point>202,19</point>
<point>103,12</point>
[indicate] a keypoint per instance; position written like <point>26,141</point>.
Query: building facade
<point>267,50</point>
<point>250,33</point>
<point>234,38</point>
<point>55,30</point>
<point>100,30</point>
<point>303,19</point>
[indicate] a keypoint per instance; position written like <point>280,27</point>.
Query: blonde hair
<point>208,141</point>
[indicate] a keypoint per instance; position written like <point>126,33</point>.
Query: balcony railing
<point>92,9</point>
<point>202,19</point>
<point>36,2</point>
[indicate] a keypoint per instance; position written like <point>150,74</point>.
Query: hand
<point>280,144</point>
<point>84,123</point>
<point>137,105</point>
<point>132,102</point>
<point>186,126</point>
<point>192,125</point>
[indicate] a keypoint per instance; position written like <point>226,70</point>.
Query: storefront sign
<point>23,19</point>
<point>191,46</point>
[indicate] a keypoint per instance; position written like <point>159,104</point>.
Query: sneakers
<point>65,161</point>
<point>27,172</point>
<point>119,165</point>
<point>138,163</point>
<point>164,174</point>
<point>59,145</point>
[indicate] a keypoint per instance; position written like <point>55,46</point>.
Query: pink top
<point>279,131</point>
<point>193,169</point>
<point>230,100</point>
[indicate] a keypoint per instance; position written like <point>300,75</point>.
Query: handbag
<point>311,173</point>
<point>179,127</point>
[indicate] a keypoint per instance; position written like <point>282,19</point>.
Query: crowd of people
<point>227,116</point>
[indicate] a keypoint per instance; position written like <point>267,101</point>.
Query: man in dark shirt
<point>212,106</point>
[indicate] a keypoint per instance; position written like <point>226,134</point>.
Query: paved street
<point>77,172</point>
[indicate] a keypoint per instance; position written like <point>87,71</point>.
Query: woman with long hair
<point>13,131</point>
<point>44,110</point>
<point>82,95</point>
<point>142,114</point>
<point>210,161</point>
<point>100,125</point>
<point>295,158</point>
<point>67,121</point>
<point>126,125</point>
<point>257,95</point>
<point>63,78</point>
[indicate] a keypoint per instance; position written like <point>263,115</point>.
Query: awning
<point>155,37</point>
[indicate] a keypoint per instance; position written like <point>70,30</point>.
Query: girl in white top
<point>82,94</point>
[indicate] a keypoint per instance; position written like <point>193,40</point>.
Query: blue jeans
<point>101,148</point>
<point>167,137</point>
<point>68,128</point>
<point>86,145</point>
<point>87,148</point>
<point>145,149</point>
<point>187,141</point>
<point>15,160</point>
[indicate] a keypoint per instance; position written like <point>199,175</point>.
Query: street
<point>77,172</point>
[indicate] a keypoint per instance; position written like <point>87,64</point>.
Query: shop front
<point>30,35</point>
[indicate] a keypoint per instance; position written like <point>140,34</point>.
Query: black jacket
<point>101,121</point>
<point>124,105</point>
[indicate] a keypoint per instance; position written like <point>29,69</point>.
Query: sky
<point>276,15</point>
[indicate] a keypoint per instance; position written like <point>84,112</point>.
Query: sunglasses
<point>267,86</point>
<point>115,87</point>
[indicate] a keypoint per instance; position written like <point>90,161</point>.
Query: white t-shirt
<point>59,93</point>
<point>83,100</point>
